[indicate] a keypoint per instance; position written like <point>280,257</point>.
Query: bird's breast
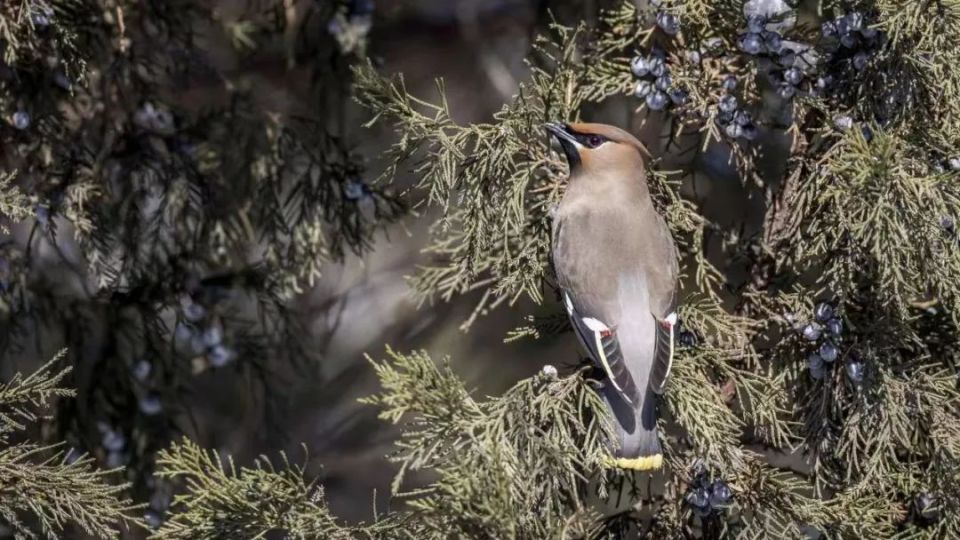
<point>591,248</point>
<point>594,248</point>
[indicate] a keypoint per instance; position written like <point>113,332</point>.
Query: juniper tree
<point>814,389</point>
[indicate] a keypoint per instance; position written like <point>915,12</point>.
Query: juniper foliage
<point>43,488</point>
<point>226,501</point>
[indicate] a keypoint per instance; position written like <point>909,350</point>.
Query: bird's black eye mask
<point>570,140</point>
<point>590,140</point>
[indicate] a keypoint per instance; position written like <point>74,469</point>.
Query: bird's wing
<point>663,349</point>
<point>663,302</point>
<point>601,343</point>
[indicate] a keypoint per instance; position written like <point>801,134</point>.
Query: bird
<point>617,269</point>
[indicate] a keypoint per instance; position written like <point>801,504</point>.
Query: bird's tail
<point>636,422</point>
<point>639,447</point>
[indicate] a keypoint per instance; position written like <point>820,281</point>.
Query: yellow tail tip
<point>643,463</point>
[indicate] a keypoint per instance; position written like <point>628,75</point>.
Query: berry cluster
<point>705,497</point>
<point>684,336</point>
<point>737,122</point>
<point>655,85</point>
<point>199,335</point>
<point>847,45</point>
<point>827,332</point>
<point>925,509</point>
<point>784,65</point>
<point>827,352</point>
<point>849,41</point>
<point>114,443</point>
<point>758,40</point>
<point>350,29</point>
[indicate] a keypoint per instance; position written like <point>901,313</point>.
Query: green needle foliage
<point>14,205</point>
<point>44,490</point>
<point>226,501</point>
<point>514,466</point>
<point>494,183</point>
<point>517,465</point>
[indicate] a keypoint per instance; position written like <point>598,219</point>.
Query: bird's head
<point>597,147</point>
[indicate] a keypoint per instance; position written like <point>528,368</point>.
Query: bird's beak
<point>560,132</point>
<point>571,147</point>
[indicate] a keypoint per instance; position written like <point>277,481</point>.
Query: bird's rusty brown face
<point>576,143</point>
<point>592,146</point>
